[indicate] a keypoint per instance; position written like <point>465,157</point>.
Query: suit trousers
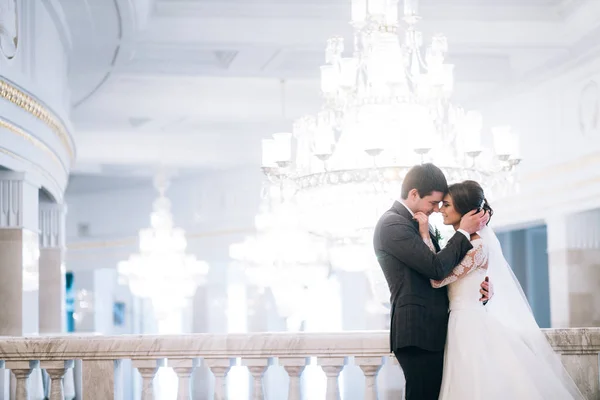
<point>422,371</point>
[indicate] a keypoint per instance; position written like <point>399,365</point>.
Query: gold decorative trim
<point>35,108</point>
<point>38,167</point>
<point>33,140</point>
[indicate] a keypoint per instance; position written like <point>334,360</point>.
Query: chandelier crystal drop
<point>386,107</point>
<point>162,271</point>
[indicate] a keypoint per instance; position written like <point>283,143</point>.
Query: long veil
<point>510,307</point>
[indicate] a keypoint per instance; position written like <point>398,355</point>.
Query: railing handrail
<point>248,345</point>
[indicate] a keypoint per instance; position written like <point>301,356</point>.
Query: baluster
<point>220,368</point>
<point>257,368</point>
<point>56,370</point>
<point>184,369</point>
<point>332,366</point>
<point>294,367</point>
<point>148,370</point>
<point>370,367</point>
<point>21,371</point>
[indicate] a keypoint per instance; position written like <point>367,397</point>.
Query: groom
<point>419,313</point>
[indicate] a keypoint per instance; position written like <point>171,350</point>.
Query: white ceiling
<point>197,83</point>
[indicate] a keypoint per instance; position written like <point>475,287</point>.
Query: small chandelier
<point>162,271</point>
<point>282,258</point>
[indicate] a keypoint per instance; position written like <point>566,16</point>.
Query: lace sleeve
<point>429,244</point>
<point>476,258</point>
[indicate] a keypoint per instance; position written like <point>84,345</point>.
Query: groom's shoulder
<point>390,217</point>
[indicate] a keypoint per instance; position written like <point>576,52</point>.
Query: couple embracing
<point>461,327</point>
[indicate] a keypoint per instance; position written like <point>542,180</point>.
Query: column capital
<point>19,200</point>
<point>574,231</point>
<point>556,231</point>
<point>52,225</point>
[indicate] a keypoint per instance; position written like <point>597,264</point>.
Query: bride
<point>496,351</point>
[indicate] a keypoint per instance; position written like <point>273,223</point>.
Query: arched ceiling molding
<point>130,16</point>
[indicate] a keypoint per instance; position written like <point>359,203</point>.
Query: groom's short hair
<point>426,178</point>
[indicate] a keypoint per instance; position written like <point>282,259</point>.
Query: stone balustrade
<point>100,359</point>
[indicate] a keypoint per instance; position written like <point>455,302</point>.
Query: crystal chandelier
<point>162,271</point>
<point>385,108</point>
<point>282,258</point>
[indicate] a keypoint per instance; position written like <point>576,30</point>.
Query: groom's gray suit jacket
<point>419,313</point>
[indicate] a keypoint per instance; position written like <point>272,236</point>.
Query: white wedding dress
<point>496,351</point>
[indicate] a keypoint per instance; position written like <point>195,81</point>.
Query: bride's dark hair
<point>467,196</point>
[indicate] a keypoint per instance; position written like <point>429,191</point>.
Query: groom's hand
<point>474,221</point>
<point>487,290</point>
<point>423,221</point>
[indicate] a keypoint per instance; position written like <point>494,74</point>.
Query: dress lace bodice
<point>465,279</point>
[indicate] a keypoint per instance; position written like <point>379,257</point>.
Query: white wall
<point>561,165</point>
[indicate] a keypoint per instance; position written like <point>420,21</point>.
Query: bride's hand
<point>474,221</point>
<point>423,221</point>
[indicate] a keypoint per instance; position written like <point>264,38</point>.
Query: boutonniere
<point>437,234</point>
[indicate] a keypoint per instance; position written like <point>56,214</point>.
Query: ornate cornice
<point>59,189</point>
<point>31,105</point>
<point>34,141</point>
<point>52,226</point>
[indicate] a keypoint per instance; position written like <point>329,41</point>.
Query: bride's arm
<point>476,258</point>
<point>428,242</point>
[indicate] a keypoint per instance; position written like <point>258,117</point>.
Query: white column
<point>103,296</point>
<point>573,254</point>
<point>19,253</point>
<point>558,271</point>
<point>52,274</point>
